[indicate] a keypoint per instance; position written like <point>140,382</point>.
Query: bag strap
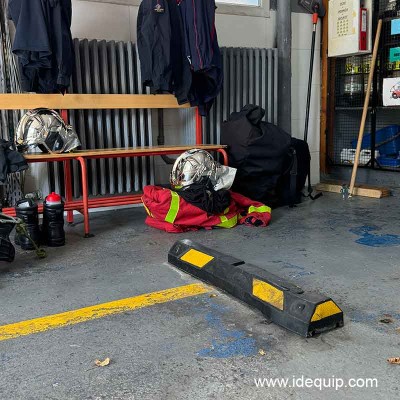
<point>310,189</point>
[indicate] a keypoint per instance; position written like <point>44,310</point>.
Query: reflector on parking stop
<point>282,302</point>
<point>196,258</point>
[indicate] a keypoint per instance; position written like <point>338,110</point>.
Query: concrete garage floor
<point>206,347</point>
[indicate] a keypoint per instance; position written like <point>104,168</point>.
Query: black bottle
<point>27,210</point>
<point>53,221</point>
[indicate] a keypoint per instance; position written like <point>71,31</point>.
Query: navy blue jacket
<point>178,50</point>
<point>43,43</point>
<point>203,52</point>
<point>155,45</point>
<point>161,46</point>
<point>200,34</point>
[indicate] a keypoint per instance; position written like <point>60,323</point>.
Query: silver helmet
<point>191,166</point>
<point>45,129</point>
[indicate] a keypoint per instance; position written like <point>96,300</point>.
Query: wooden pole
<point>325,83</point>
<point>365,110</point>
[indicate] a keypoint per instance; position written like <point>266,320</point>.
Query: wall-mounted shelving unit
<point>381,143</point>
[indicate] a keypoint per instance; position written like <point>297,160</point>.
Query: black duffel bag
<point>272,166</point>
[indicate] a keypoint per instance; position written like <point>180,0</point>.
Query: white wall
<point>241,31</point>
<point>95,20</point>
<point>301,51</point>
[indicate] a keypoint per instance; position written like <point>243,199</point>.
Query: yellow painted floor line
<point>73,317</point>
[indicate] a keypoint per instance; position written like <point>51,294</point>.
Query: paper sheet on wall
<point>344,27</point>
<point>391,92</point>
<point>344,18</point>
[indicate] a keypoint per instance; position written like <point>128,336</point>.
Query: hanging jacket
<point>169,212</point>
<point>154,45</point>
<point>178,50</point>
<point>203,51</point>
<point>200,34</point>
<point>160,40</point>
<point>43,43</point>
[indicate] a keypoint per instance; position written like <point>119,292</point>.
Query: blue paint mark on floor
<point>244,347</point>
<point>300,270</point>
<point>368,238</point>
<point>229,343</point>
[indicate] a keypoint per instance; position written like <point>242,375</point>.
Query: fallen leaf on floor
<point>386,320</point>
<point>261,352</point>
<point>398,330</point>
<point>394,360</point>
<point>102,363</point>
<point>213,295</point>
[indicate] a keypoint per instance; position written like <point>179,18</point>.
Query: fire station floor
<point>204,346</point>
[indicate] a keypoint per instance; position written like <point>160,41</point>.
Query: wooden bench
<point>95,102</point>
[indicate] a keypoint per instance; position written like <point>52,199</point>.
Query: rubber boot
<point>53,221</point>
<point>27,211</point>
<point>7,250</point>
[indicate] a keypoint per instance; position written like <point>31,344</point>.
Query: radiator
<point>250,76</point>
<point>109,68</point>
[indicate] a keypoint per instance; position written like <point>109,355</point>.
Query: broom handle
<point>365,110</point>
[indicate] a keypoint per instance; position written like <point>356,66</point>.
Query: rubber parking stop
<point>282,302</point>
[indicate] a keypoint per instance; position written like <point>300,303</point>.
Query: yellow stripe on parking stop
<point>197,258</point>
<point>268,293</point>
<point>73,317</point>
<point>325,310</point>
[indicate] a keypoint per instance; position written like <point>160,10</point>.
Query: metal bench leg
<point>68,189</point>
<point>199,127</point>
<point>85,195</point>
<point>225,155</point>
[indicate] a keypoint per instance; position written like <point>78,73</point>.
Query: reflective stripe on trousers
<point>262,209</point>
<point>173,209</point>
<point>228,223</point>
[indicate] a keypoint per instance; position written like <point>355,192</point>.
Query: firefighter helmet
<point>195,164</point>
<point>45,129</point>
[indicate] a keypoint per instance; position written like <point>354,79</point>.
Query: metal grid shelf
<point>381,144</point>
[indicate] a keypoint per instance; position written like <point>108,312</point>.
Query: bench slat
<point>122,151</point>
<point>27,101</point>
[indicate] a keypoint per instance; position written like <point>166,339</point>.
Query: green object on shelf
<point>394,54</point>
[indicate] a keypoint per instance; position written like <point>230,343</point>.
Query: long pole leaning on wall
<point>284,44</point>
<point>327,115</point>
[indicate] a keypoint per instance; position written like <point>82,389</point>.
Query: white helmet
<point>45,129</point>
<point>191,166</point>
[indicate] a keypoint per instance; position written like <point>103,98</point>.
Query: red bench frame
<point>29,101</point>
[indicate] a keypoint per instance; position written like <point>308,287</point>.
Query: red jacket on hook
<point>169,212</point>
